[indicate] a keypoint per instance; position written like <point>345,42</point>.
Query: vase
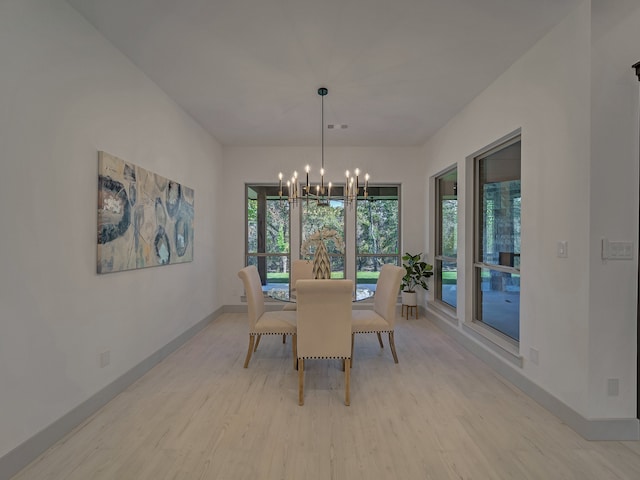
<point>321,263</point>
<point>409,298</point>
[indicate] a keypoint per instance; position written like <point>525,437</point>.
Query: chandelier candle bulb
<point>346,185</point>
<point>329,192</point>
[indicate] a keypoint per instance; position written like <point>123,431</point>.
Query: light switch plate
<point>563,249</point>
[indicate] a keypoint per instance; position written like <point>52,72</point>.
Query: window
<point>497,239</point>
<point>446,257</point>
<point>377,233</point>
<point>331,217</point>
<point>374,222</point>
<point>267,225</point>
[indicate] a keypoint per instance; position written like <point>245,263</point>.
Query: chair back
<point>255,298</point>
<point>387,288</point>
<point>300,269</point>
<point>324,318</point>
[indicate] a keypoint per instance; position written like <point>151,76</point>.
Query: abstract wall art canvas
<point>144,219</point>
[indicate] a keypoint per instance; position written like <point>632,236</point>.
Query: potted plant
<point>417,273</point>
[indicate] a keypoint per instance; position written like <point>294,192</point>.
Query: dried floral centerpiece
<point>321,261</point>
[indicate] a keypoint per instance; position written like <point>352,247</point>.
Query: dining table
<point>286,295</point>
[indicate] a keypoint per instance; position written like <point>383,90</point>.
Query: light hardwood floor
<point>438,414</point>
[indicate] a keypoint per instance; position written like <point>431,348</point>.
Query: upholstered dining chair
<point>383,316</point>
<point>324,326</point>
<point>300,270</point>
<point>262,322</point>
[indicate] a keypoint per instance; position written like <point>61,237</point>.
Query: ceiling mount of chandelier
<point>294,190</point>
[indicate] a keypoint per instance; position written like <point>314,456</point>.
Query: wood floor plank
<point>438,414</point>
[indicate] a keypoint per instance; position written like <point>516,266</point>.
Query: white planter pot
<point>410,298</point>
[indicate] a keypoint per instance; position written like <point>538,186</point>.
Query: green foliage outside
<point>377,232</point>
<point>277,231</point>
<point>449,227</point>
<point>329,217</point>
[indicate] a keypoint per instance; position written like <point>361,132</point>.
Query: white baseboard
<point>28,451</point>
<point>620,429</point>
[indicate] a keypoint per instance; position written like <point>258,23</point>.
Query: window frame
<point>439,258</point>
<point>477,264</point>
<point>249,255</point>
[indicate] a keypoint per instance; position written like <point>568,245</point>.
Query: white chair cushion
<point>278,322</point>
<point>368,321</point>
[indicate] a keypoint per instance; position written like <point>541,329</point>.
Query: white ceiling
<point>397,70</point>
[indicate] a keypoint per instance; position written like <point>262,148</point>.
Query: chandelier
<point>296,191</point>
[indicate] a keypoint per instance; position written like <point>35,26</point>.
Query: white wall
<point>546,93</point>
<point>614,205</point>
<point>66,93</point>
<point>262,164</point>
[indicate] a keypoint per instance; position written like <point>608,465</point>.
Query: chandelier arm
<point>322,196</point>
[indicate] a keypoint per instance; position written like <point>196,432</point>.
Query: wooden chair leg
<point>347,382</point>
<point>353,335</point>
<point>250,351</point>
<point>380,340</point>
<point>257,343</point>
<point>294,348</point>
<point>392,344</point>
<point>301,381</point>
